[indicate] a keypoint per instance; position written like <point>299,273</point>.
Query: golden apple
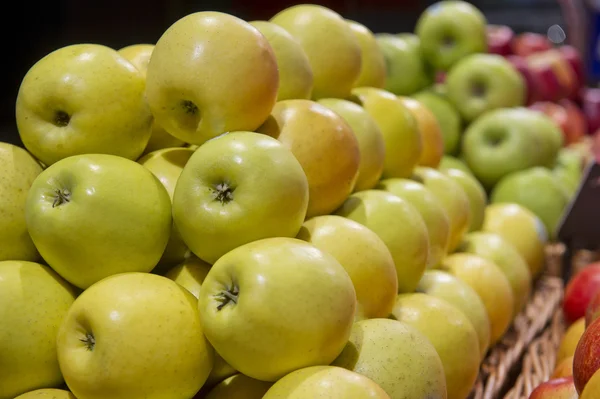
<point>325,382</point>
<point>476,194</point>
<point>491,285</point>
<point>592,388</point>
<point>373,70</point>
<point>325,146</point>
<point>34,302</point>
<point>332,49</point>
<point>431,133</point>
<point>452,197</point>
<point>221,371</point>
<point>451,334</point>
<point>295,73</point>
<point>399,225</point>
<point>81,99</point>
<point>365,257</point>
<point>18,170</point>
<point>397,357</point>
<point>370,140</point>
<point>569,341</point>
<point>403,141</point>
<point>239,386</point>
<point>276,305</point>
<point>431,210</point>
<point>190,274</point>
<point>139,325</point>
<point>48,393</point>
<point>211,73</point>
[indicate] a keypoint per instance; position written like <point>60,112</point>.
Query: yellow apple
<point>34,302</point>
<point>397,357</point>
<point>494,247</point>
<point>332,49</point>
<point>452,197</point>
<point>95,215</point>
<point>211,73</point>
<point>139,325</point>
<point>160,139</point>
<point>365,257</point>
<point>276,305</point>
<point>431,133</point>
<point>491,285</point>
<point>592,387</point>
<point>373,70</point>
<point>431,210</point>
<point>325,146</point>
<point>239,386</point>
<point>18,170</point>
<point>522,228</point>
<point>403,141</point>
<point>190,274</point>
<point>81,99</point>
<point>166,164</point>
<point>399,225</point>
<point>238,188</point>
<point>453,290</point>
<point>325,382</point>
<point>569,341</point>
<point>221,371</point>
<point>476,194</point>
<point>48,393</point>
<point>370,140</point>
<point>451,334</point>
<point>295,73</point>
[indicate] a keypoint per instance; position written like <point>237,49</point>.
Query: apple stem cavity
<point>189,107</point>
<point>228,296</point>
<point>61,118</point>
<point>223,193</point>
<point>61,197</point>
<point>89,341</point>
<point>478,90</point>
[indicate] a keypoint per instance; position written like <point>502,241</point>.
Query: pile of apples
<point>576,372</point>
<point>251,209</point>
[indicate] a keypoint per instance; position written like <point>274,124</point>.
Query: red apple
<point>579,292</point>
<point>531,81</point>
<point>591,108</point>
<point>586,360</point>
<point>578,127</point>
<point>573,57</point>
<point>528,43</point>
<point>499,39</point>
<point>565,75</point>
<point>556,388</point>
<point>593,309</point>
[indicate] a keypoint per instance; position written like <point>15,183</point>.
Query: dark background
<point>35,28</point>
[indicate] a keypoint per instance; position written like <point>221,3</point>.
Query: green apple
<point>295,73</point>
<point>373,69</point>
<point>190,274</point>
<point>482,82</point>
<point>47,393</point>
<point>399,225</point>
<point>494,247</point>
<point>81,99</point>
<point>95,215</point>
<point>407,72</point>
<point>238,188</point>
<point>371,144</point>
<point>451,30</point>
<point>332,48</point>
<point>166,164</point>
<point>431,210</point>
<point>220,372</point>
<point>397,357</point>
<point>448,118</point>
<point>450,332</point>
<point>477,196</point>
<point>160,139</point>
<point>538,190</point>
<point>453,290</point>
<point>18,170</point>
<point>504,141</point>
<point>449,162</point>
<point>490,283</point>
<point>328,152</point>
<point>198,88</point>
<point>276,305</point>
<point>365,257</point>
<point>568,169</point>
<point>520,227</point>
<point>35,300</point>
<point>239,386</point>
<point>325,382</point>
<point>403,141</point>
<point>139,325</point>
<point>453,199</point>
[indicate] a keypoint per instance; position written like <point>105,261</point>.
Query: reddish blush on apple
<point>499,38</point>
<point>556,388</point>
<point>586,360</point>
<point>593,310</point>
<point>591,108</point>
<point>565,75</point>
<point>573,57</point>
<point>567,116</point>
<point>532,82</point>
<point>528,43</point>
<point>579,292</point>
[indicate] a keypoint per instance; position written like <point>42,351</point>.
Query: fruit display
<point>290,208</point>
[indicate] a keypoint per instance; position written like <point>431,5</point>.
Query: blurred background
<point>44,26</point>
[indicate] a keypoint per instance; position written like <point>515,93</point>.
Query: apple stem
<point>223,193</point>
<point>189,107</point>
<point>229,295</point>
<point>89,341</point>
<point>62,196</point>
